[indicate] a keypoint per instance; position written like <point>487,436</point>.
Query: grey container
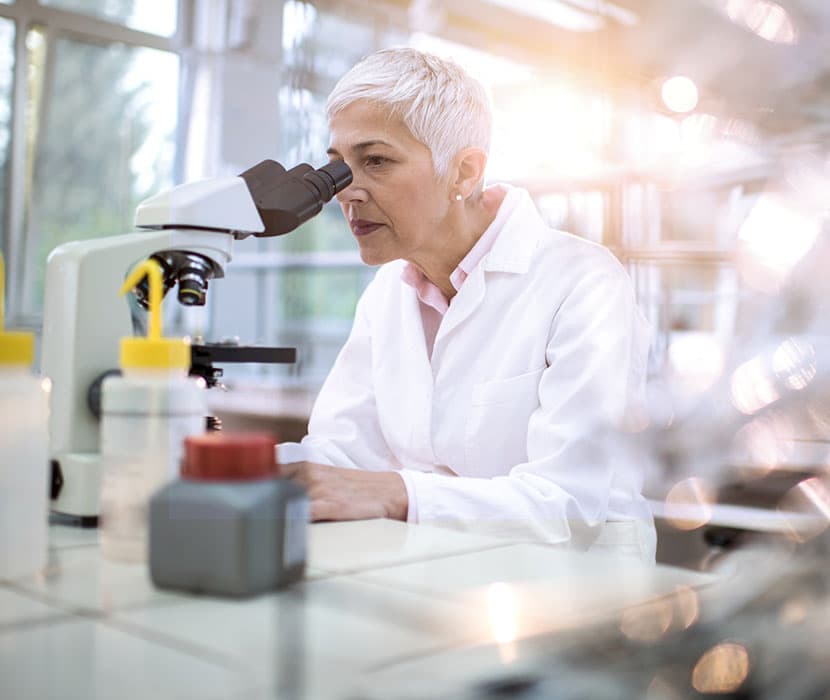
<point>233,538</point>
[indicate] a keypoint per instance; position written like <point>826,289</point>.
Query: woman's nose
<point>355,192</point>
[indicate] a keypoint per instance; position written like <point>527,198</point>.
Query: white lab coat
<point>508,428</point>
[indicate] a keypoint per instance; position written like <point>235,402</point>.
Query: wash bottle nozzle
<point>154,351</point>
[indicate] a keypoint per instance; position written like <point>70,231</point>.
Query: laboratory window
<point>152,16</point>
<point>101,138</point>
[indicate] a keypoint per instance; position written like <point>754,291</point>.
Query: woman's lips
<point>360,227</point>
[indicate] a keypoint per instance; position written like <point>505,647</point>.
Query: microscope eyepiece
<point>331,178</point>
<point>286,199</point>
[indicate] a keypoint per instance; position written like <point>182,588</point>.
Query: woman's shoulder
<point>552,248</point>
<point>580,255</point>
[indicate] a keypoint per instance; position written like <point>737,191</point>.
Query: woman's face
<point>395,204</point>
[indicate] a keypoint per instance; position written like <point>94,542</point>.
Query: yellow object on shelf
<point>16,347</point>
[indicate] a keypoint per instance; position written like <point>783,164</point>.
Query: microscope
<point>189,230</point>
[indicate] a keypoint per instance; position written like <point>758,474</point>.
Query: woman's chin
<point>374,257</point>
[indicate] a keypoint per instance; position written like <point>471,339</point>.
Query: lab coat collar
<point>514,248</point>
<point>512,251</point>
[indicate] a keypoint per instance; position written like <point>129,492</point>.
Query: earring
<point>459,197</point>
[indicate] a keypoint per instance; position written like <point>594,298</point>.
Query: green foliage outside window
<point>97,140</point>
<point>6,74</point>
<point>320,294</point>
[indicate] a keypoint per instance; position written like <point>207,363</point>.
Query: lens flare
<point>501,606</point>
<point>649,622</point>
<point>722,669</point>
<point>696,361</point>
<point>767,19</point>
<point>773,238</point>
<point>794,362</point>
<point>763,444</point>
<point>689,504</point>
<point>794,612</point>
<point>687,606</point>
<point>808,507</point>
<point>752,387</point>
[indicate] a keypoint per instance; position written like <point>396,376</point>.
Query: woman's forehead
<point>363,124</point>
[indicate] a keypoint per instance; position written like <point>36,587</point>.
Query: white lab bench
<point>386,609</point>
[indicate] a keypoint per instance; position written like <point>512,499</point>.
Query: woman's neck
<point>460,235</point>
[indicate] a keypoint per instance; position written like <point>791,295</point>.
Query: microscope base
<point>80,494</point>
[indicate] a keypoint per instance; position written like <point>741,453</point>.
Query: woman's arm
<point>344,430</point>
<point>349,494</point>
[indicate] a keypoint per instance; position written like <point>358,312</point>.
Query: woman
<point>490,357</point>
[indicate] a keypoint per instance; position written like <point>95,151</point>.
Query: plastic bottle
<point>146,415</point>
<point>230,526</point>
<point>24,454</point>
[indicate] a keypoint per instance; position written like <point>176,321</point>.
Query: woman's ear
<point>469,170</point>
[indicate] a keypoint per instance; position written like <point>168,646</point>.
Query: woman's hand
<point>349,494</point>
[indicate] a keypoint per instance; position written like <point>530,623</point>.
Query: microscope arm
<point>84,319</point>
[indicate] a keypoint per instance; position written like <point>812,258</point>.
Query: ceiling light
<point>680,94</point>
<point>561,14</point>
<point>607,9</point>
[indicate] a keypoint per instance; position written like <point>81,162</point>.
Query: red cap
<point>229,457</point>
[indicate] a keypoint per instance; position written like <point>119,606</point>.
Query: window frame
<point>57,22</point>
<point>641,256</point>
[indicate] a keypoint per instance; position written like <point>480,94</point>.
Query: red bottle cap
<point>229,457</point>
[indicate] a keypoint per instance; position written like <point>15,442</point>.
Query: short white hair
<point>444,107</point>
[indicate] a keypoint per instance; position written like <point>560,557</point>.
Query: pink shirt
<point>432,300</point>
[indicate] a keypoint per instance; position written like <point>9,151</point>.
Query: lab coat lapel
<point>416,373</point>
<point>464,303</point>
<point>511,252</point>
<point>412,339</point>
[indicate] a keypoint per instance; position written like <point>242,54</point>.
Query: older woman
<point>491,357</point>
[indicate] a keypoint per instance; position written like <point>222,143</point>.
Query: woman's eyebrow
<point>368,144</point>
<point>362,146</point>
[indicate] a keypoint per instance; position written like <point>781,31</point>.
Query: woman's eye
<point>376,160</point>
